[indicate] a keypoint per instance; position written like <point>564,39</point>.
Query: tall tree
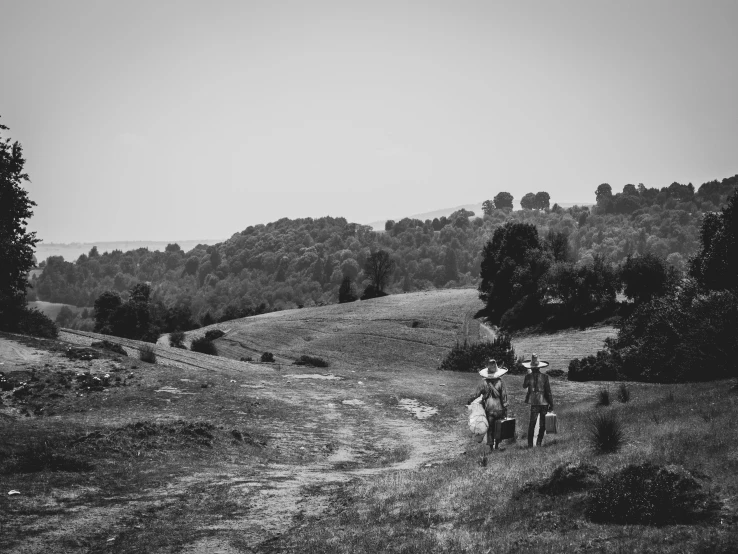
<point>488,206</point>
<point>503,200</point>
<point>528,202</point>
<point>16,243</point>
<point>347,291</point>
<point>543,200</point>
<point>379,267</point>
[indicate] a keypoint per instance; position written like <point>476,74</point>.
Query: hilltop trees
<point>503,200</point>
<point>379,267</point>
<point>538,201</point>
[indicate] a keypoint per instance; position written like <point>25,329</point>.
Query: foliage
<point>347,292</point>
<point>176,339</point>
<point>602,367</point>
<point>313,361</point>
<point>606,434</point>
<point>204,346</point>
<point>146,353</point>
<point>539,201</point>
<point>603,397</point>
<point>648,494</point>
<point>379,267</point>
<point>214,334</point>
<point>646,277</point>
<point>503,200</point>
<point>16,243</point>
<point>473,356</point>
<point>267,357</point>
<point>623,393</point>
<point>33,322</point>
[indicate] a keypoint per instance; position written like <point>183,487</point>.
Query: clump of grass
<point>311,361</point>
<point>204,346</point>
<point>606,433</point>
<point>603,397</point>
<point>623,393</point>
<point>147,354</point>
<point>267,357</point>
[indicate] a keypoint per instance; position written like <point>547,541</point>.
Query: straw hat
<point>492,371</point>
<point>535,362</point>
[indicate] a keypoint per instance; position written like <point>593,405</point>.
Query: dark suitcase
<point>505,429</point>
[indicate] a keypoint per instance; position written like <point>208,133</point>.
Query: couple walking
<point>494,398</point>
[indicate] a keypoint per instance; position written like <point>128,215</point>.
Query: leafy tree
<point>389,225</point>
<point>557,243</point>
<point>173,247</point>
<point>65,316</point>
<point>602,192</point>
<point>106,305</point>
<point>379,267</point>
<point>488,206</point>
<point>503,200</point>
<point>646,277</point>
<point>347,292</point>
<point>451,268</point>
<point>191,266</point>
<point>16,243</point>
<point>528,202</point>
<point>543,200</point>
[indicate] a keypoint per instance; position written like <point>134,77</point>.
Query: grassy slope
<point>52,309</point>
<point>335,477</point>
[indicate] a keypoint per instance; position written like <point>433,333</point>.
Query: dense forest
<point>303,262</point>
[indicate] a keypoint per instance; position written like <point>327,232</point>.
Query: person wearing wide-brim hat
<point>494,398</point>
<point>539,397</point>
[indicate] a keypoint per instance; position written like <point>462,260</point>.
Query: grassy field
<point>210,454</point>
<point>52,309</point>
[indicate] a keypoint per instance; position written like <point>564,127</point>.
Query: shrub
<point>111,346</point>
<point>246,359</point>
<point>33,322</point>
<point>147,354</point>
<point>623,393</point>
<point>603,367</point>
<point>555,373</point>
<point>267,357</point>
<point>603,397</point>
<point>472,357</point>
<point>204,346</point>
<point>606,433</point>
<point>176,339</point>
<point>311,361</point>
<point>648,494</point>
<point>214,334</point>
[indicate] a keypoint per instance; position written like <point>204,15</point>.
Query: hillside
<point>209,454</point>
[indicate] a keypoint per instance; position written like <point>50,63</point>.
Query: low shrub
<point>623,393</point>
<point>311,361</point>
<point>110,346</point>
<point>176,339</point>
<point>474,356</point>
<point>603,367</point>
<point>214,334</point>
<point>555,373</point>
<point>204,346</point>
<point>147,354</point>
<point>603,397</point>
<point>246,359</point>
<point>648,494</point>
<point>267,357</point>
<point>32,322</point>
<point>606,432</point>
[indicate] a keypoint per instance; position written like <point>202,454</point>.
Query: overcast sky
<point>184,120</point>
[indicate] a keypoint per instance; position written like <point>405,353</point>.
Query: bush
<point>147,354</point>
<point>606,433</point>
<point>204,346</point>
<point>603,367</point>
<point>623,393</point>
<point>603,397</point>
<point>111,346</point>
<point>472,357</point>
<point>311,361</point>
<point>176,339</point>
<point>267,357</point>
<point>33,322</point>
<point>648,494</point>
<point>246,359</point>
<point>214,334</point>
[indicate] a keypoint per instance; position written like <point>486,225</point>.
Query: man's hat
<point>492,371</point>
<point>534,362</point>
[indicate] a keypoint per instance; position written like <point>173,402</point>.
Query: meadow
<point>197,453</point>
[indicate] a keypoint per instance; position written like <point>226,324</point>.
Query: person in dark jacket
<point>539,397</point>
<point>494,398</point>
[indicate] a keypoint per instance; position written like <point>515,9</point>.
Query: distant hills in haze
<point>71,251</point>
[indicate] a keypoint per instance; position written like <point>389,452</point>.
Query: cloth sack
<point>477,418</point>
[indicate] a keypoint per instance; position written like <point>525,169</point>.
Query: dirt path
<point>12,353</point>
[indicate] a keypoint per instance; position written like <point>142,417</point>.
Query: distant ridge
<point>71,251</point>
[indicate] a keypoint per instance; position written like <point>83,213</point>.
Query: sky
<point>192,120</point>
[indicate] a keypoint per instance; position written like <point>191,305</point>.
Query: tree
<point>16,243</point>
<point>105,307</point>
<point>503,200</point>
<point>173,247</point>
<point>646,277</point>
<point>389,225</point>
<point>488,206</point>
<point>543,200</point>
<point>93,252</point>
<point>451,268</point>
<point>528,202</point>
<point>347,291</point>
<point>379,267</point>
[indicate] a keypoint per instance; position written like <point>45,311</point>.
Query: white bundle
<point>477,417</point>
